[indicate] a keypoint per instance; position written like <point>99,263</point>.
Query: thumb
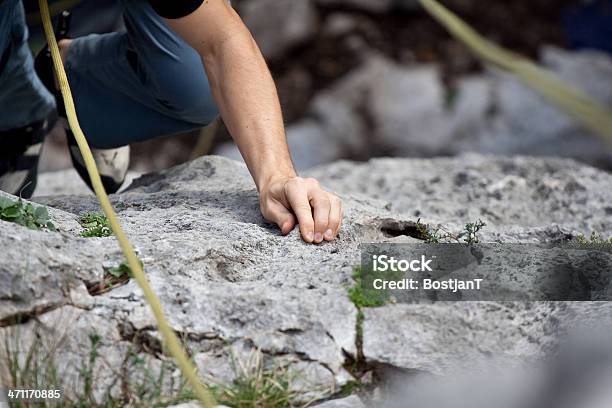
<point>281,217</point>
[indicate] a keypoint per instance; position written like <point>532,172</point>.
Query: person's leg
<point>23,98</point>
<point>27,109</point>
<point>140,84</point>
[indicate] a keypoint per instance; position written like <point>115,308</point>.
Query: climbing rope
<point>169,337</point>
<point>591,114</point>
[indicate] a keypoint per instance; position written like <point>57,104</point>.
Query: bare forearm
<point>243,88</point>
<point>245,93</point>
<point>247,99</point>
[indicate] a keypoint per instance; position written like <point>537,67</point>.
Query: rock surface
<point>349,402</point>
<point>522,122</point>
<point>279,25</point>
<point>230,283</point>
<point>520,198</point>
<point>68,182</point>
<point>453,336</point>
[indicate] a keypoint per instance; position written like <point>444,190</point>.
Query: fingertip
<point>329,235</point>
<point>318,238</point>
<point>287,226</point>
<point>308,236</point>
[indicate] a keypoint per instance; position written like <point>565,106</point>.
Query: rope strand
<point>170,339</point>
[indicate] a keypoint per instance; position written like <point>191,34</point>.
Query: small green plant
<point>95,225</point>
<point>146,385</point>
<point>351,387</point>
<point>122,270</point>
<point>364,298</point>
<point>85,398</point>
<point>27,367</point>
<point>431,236</point>
<point>594,239</point>
<point>259,386</point>
<point>113,277</point>
<point>36,218</point>
<point>141,380</point>
<point>468,235</point>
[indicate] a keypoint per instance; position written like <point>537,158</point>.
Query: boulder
<point>62,339</point>
<point>231,284</point>
<point>349,402</point>
<point>496,113</point>
<point>550,196</point>
<point>279,25</point>
<point>378,109</point>
<point>447,337</point>
<point>387,109</point>
<point>583,360</point>
<point>226,278</point>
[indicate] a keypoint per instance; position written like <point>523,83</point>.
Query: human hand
<point>287,201</point>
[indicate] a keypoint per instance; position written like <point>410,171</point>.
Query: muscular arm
<point>246,96</point>
<point>242,86</point>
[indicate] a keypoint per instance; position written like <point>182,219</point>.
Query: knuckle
<point>294,182</point>
<point>322,217</point>
<point>321,202</point>
<point>312,181</point>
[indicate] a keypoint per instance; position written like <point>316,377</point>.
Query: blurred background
<point>366,78</point>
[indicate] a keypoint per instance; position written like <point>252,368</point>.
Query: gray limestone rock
<point>231,284</point>
<point>550,196</point>
<point>349,402</point>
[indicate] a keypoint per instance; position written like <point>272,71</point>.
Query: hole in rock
<point>395,228</point>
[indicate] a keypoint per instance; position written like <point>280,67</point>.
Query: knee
<point>193,103</point>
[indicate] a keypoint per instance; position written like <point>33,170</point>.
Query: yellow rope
<point>591,114</point>
<point>170,339</point>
